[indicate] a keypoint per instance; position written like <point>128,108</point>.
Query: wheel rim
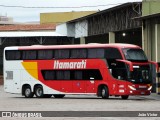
<point>39,92</point>
<point>27,92</point>
<point>103,92</point>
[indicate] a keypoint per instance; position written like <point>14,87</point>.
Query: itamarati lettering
<point>69,65</point>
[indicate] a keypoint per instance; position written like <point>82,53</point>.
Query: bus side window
<point>63,75</point>
<point>13,55</point>
<point>29,55</point>
<point>117,69</point>
<point>78,75</point>
<point>45,54</point>
<point>92,74</point>
<point>61,54</point>
<point>48,74</point>
<point>96,53</point>
<point>78,53</point>
<point>112,53</point>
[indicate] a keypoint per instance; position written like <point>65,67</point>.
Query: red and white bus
<point>101,69</point>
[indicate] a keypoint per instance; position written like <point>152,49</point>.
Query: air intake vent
<point>9,75</point>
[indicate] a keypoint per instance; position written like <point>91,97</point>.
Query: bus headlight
<point>150,88</point>
<point>131,87</point>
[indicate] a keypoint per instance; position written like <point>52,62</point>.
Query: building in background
<point>151,32</point>
<point>23,35</point>
<point>61,17</point>
<point>151,28</point>
<point>113,25</point>
<point>6,19</point>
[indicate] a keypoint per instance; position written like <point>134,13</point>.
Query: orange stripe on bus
<point>31,68</point>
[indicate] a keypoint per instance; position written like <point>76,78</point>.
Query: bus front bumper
<point>139,92</point>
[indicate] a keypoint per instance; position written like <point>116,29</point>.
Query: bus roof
<point>36,47</point>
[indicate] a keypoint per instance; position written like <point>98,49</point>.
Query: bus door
<point>119,72</point>
<point>122,77</point>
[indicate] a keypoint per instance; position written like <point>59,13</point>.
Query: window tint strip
<point>91,53</point>
<point>88,74</point>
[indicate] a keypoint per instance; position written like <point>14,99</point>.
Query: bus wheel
<point>27,92</point>
<point>105,92</point>
<point>39,91</point>
<point>58,96</point>
<point>124,97</point>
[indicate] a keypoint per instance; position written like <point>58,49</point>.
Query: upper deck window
<point>134,54</point>
<point>96,53</point>
<point>61,54</point>
<point>91,53</point>
<point>78,53</point>
<point>45,54</point>
<point>29,55</point>
<point>13,55</point>
<point>112,53</point>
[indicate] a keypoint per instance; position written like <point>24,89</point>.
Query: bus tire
<point>28,92</point>
<point>39,91</point>
<point>105,92</point>
<point>58,96</point>
<point>124,97</point>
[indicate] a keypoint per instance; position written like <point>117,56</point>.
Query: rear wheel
<point>39,91</point>
<point>124,97</point>
<point>58,96</point>
<point>28,92</point>
<point>105,92</point>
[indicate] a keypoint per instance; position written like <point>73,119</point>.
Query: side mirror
<point>126,62</point>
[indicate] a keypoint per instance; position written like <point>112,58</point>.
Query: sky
<point>29,10</point>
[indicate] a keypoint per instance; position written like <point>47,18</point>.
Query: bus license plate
<point>142,93</point>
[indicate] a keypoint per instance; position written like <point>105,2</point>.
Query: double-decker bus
<point>100,69</point>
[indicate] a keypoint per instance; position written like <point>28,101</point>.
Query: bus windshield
<point>134,54</point>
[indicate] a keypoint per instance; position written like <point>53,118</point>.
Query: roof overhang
<point>30,34</point>
<point>147,16</point>
<point>106,11</point>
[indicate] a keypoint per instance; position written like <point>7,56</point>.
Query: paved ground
<point>14,102</point>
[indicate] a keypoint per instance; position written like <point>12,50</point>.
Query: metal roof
<point>105,11</point>
<point>29,34</point>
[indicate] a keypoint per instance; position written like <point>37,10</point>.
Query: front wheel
<point>39,91</point>
<point>124,97</point>
<point>28,92</point>
<point>105,92</point>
